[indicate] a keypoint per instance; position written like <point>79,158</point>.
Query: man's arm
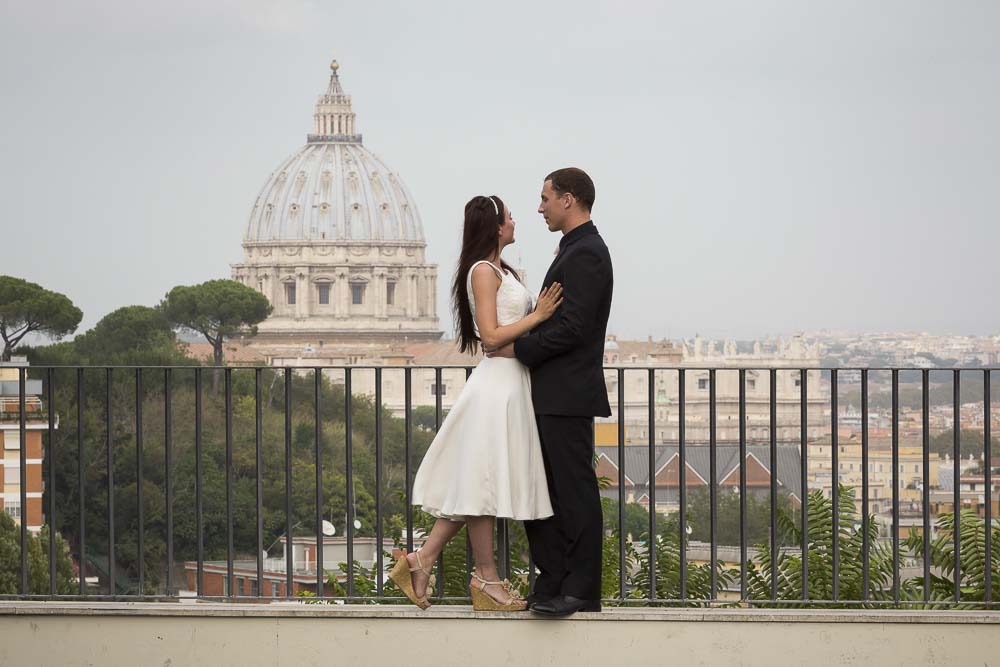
<point>585,277</point>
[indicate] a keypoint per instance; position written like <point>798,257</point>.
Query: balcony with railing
<point>283,498</point>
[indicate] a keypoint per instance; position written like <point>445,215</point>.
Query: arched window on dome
<point>290,293</point>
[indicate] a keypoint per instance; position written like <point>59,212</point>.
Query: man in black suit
<point>565,355</point>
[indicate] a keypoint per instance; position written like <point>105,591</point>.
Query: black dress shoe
<point>564,605</point>
<point>536,598</point>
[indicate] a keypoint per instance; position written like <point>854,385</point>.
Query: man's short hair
<point>576,182</point>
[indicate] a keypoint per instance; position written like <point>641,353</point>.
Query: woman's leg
<point>481,537</point>
<point>441,534</point>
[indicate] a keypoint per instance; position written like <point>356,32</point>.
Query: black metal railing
<point>107,407</point>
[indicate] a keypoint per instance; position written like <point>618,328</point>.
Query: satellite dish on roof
<point>328,528</point>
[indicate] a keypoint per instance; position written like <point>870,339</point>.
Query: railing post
<point>317,454</point>
<point>80,477</point>
<point>682,475</point>
<point>713,486</point>
<point>139,474</point>
<point>199,508</point>
<point>957,485</point>
<point>23,465</point>
<point>621,484</point>
<point>835,482</point>
<point>259,467</point>
<point>408,443</point>
<point>865,546</point>
<point>167,475</point>
<point>229,481</point>
<point>895,485</point>
<point>804,474</point>
<point>743,482</point>
<point>289,541</point>
<point>109,425</point>
<point>651,485</point>
<point>987,466</point>
<point>773,430</point>
<point>926,501</point>
<point>349,490</point>
<point>51,481</point>
<point>379,584</point>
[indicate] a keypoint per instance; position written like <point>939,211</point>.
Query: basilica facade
<point>335,242</point>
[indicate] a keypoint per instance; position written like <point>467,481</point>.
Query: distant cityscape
<point>917,350</point>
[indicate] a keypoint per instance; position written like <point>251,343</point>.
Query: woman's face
<point>507,228</point>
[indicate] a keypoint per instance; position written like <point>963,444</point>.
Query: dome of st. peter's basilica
<point>335,242</point>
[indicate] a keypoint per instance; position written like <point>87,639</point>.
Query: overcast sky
<point>761,167</point>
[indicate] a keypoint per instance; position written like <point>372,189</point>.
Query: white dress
<point>486,459</point>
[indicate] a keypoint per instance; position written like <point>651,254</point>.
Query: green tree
<point>423,416</point>
<point>666,547</point>
<point>970,442</point>
<point>38,561</point>
<point>26,307</point>
<point>971,558</point>
<point>217,309</point>
<point>128,336</point>
<point>728,516</point>
<point>787,565</point>
<point>56,354</point>
<point>636,518</point>
<point>132,335</point>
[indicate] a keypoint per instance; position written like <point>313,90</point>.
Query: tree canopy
<point>217,309</point>
<point>130,335</point>
<point>27,307</point>
<point>38,561</point>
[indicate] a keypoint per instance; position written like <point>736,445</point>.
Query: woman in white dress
<point>486,460</point>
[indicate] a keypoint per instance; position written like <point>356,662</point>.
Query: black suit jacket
<point>566,352</point>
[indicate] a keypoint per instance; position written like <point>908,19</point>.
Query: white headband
<point>495,207</point>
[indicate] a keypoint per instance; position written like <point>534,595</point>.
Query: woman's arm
<point>485,283</point>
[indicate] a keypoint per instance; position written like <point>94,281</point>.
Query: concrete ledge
<point>296,635</point>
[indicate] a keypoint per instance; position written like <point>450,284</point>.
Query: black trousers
<point>566,547</point>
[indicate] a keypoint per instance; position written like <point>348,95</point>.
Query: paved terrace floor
<point>292,634</point>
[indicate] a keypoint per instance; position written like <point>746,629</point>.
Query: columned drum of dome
<point>335,242</point>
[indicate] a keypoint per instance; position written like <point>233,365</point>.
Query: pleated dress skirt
<point>486,459</point>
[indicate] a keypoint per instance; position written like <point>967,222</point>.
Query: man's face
<point>553,207</point>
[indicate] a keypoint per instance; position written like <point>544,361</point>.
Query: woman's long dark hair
<point>483,218</point>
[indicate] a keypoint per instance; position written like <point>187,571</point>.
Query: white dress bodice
<point>514,301</point>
